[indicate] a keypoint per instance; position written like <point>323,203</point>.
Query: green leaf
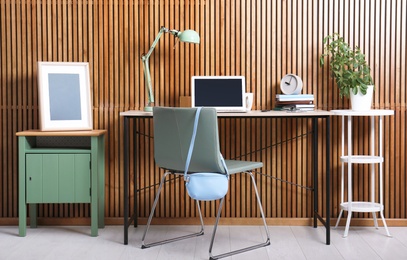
<point>363,91</point>
<point>321,61</point>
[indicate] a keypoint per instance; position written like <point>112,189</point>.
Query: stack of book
<point>295,102</point>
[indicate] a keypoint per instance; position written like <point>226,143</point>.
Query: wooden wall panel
<point>262,40</point>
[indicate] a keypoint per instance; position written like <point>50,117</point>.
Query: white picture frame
<point>64,96</point>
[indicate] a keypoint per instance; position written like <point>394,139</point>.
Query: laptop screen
<point>225,93</point>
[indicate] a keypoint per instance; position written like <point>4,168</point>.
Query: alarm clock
<point>291,84</point>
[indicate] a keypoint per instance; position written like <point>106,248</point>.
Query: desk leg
<point>134,215</point>
<point>126,180</point>
<point>315,168</point>
<point>328,180</point>
<point>327,221</point>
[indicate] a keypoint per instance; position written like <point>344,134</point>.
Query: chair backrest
<point>173,129</point>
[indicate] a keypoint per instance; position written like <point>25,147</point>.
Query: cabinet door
<point>50,165</point>
<point>34,177</point>
<point>58,178</point>
<point>81,181</point>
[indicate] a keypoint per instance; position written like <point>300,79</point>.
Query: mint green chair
<point>172,135</point>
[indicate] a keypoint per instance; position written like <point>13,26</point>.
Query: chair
<point>173,129</point>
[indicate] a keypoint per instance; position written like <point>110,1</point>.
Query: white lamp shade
<point>189,36</point>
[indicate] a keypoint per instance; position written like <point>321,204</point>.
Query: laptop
<point>224,93</point>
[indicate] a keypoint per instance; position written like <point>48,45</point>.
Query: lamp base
<point>149,106</point>
<point>148,109</point>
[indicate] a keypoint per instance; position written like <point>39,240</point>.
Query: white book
<point>284,97</point>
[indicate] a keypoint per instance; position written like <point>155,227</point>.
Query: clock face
<point>291,84</point>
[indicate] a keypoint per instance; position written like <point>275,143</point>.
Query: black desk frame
<point>314,115</point>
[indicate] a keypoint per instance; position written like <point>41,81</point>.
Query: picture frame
<point>64,96</point>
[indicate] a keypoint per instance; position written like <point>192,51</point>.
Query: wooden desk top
<point>253,113</point>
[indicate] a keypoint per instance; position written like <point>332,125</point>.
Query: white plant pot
<point>360,102</point>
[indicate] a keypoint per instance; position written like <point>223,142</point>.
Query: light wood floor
<point>287,242</point>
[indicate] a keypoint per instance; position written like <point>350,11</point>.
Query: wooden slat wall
<point>262,40</point>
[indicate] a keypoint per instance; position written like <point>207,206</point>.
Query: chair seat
<point>235,166</point>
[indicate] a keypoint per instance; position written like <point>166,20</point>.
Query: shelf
<point>369,158</point>
<point>360,206</point>
<point>362,159</point>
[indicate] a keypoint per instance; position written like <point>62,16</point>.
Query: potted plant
<point>349,69</point>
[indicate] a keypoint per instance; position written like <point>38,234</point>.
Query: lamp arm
<point>157,38</point>
<point>145,58</point>
<point>147,79</point>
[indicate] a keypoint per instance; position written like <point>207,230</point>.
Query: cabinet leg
<point>33,215</point>
<point>22,206</point>
<point>94,204</point>
<point>101,181</point>
<point>22,220</point>
<point>94,215</point>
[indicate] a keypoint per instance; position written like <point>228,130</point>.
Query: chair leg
<point>215,227</point>
<point>144,245</point>
<point>242,250</point>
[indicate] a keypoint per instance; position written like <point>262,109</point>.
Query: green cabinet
<point>61,167</point>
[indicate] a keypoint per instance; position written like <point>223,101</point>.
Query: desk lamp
<point>190,36</point>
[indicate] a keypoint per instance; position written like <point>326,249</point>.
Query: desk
<point>314,115</point>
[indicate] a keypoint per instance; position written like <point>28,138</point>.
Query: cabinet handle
<point>30,178</point>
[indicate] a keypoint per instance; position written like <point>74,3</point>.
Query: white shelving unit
<point>348,159</point>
